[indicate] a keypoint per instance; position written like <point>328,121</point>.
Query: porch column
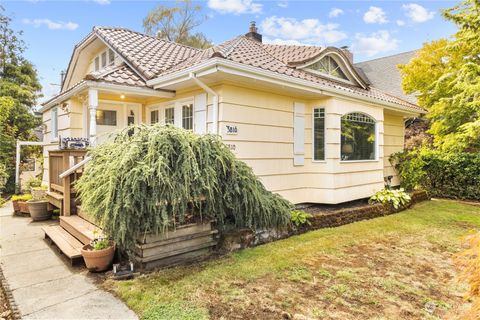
<point>92,108</point>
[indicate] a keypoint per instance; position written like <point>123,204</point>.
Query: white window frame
<point>177,105</point>
<point>54,123</point>
<point>98,58</point>
<point>324,135</point>
<point>375,146</point>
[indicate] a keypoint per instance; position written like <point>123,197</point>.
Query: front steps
<point>71,235</point>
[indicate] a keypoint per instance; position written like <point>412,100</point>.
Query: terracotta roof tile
<point>122,75</point>
<point>148,55</point>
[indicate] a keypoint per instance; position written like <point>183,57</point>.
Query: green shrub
<point>22,197</point>
<point>161,176</point>
<point>396,197</point>
<point>33,182</point>
<point>446,175</point>
<point>3,177</point>
<point>300,217</point>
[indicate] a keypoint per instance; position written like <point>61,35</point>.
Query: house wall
<point>265,141</point>
<point>394,141</point>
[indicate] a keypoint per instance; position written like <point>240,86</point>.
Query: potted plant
<point>98,255</point>
<point>20,203</point>
<point>39,193</point>
<point>39,209</point>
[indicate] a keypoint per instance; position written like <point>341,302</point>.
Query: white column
<point>92,108</point>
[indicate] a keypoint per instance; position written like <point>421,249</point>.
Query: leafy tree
<point>446,76</point>
<point>19,86</point>
<point>176,24</point>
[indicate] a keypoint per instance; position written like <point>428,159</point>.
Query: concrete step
<point>80,228</point>
<point>68,244</point>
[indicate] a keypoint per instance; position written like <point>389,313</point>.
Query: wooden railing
<point>59,162</point>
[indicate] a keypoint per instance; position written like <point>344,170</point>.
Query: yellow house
<point>304,118</point>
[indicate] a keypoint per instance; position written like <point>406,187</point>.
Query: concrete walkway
<point>42,283</point>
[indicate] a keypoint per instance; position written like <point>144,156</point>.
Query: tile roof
<point>148,55</point>
<point>384,74</point>
<point>122,75</point>
<point>253,53</point>
<point>290,54</point>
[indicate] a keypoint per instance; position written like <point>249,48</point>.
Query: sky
<point>371,29</point>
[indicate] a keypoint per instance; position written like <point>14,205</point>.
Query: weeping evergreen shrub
<point>152,178</point>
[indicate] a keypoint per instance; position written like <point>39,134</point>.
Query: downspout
<point>214,100</point>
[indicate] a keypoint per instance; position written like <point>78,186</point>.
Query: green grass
<point>303,261</point>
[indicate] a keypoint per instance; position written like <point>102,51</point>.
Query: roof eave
<point>217,64</point>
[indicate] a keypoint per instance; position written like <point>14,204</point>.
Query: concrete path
<point>42,283</point>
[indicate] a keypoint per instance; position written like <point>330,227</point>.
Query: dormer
<point>333,64</point>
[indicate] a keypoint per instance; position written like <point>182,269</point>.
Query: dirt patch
<point>394,278</point>
<point>6,312</point>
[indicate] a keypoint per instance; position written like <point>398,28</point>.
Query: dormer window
<point>327,65</point>
<point>104,59</point>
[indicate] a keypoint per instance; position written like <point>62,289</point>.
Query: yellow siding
<point>394,139</point>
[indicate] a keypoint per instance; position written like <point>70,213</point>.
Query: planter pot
<point>39,210</point>
<point>23,206</point>
<point>98,260</point>
<point>16,205</point>
<point>39,194</point>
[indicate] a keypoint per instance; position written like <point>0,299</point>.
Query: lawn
<point>393,267</point>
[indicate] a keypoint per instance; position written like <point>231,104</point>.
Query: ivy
<point>152,178</point>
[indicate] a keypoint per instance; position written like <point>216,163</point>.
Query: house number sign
<point>231,129</point>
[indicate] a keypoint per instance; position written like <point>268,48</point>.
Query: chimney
<point>62,77</point>
<point>252,32</point>
<point>348,53</point>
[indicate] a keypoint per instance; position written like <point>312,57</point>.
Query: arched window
<point>327,65</point>
<point>358,137</point>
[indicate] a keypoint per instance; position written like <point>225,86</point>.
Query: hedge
<point>446,175</point>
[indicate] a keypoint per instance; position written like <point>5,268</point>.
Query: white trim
<point>108,87</point>
<point>227,66</point>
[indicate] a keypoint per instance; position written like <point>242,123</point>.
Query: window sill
<point>358,161</point>
<point>319,161</point>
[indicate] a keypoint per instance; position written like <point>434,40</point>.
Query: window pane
<point>319,134</point>
<point>111,57</point>
<point>358,137</point>
<point>97,63</point>
<point>170,116</point>
<point>187,116</point>
<point>106,117</point>
<point>154,117</point>
<point>104,59</point>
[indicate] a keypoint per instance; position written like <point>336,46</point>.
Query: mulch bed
<point>7,312</point>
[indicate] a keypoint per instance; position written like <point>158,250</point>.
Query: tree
<point>446,76</point>
<point>20,88</point>
<point>176,24</point>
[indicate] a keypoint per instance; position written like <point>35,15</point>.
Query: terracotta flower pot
<point>39,210</point>
<point>98,260</point>
<point>23,206</point>
<point>16,205</point>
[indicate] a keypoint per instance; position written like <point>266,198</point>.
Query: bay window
<point>358,137</point>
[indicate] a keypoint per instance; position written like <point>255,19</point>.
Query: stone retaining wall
<point>240,239</point>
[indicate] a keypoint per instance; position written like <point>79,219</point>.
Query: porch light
<point>122,96</point>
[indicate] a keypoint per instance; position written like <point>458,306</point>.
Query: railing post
<point>66,185</point>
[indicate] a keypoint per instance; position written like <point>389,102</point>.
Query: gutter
<point>210,91</point>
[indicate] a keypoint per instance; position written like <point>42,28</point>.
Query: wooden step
<point>64,241</point>
<point>80,228</point>
<point>55,199</point>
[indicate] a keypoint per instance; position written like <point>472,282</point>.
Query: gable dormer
<point>332,63</point>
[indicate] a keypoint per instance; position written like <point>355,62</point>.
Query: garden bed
<point>323,216</point>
